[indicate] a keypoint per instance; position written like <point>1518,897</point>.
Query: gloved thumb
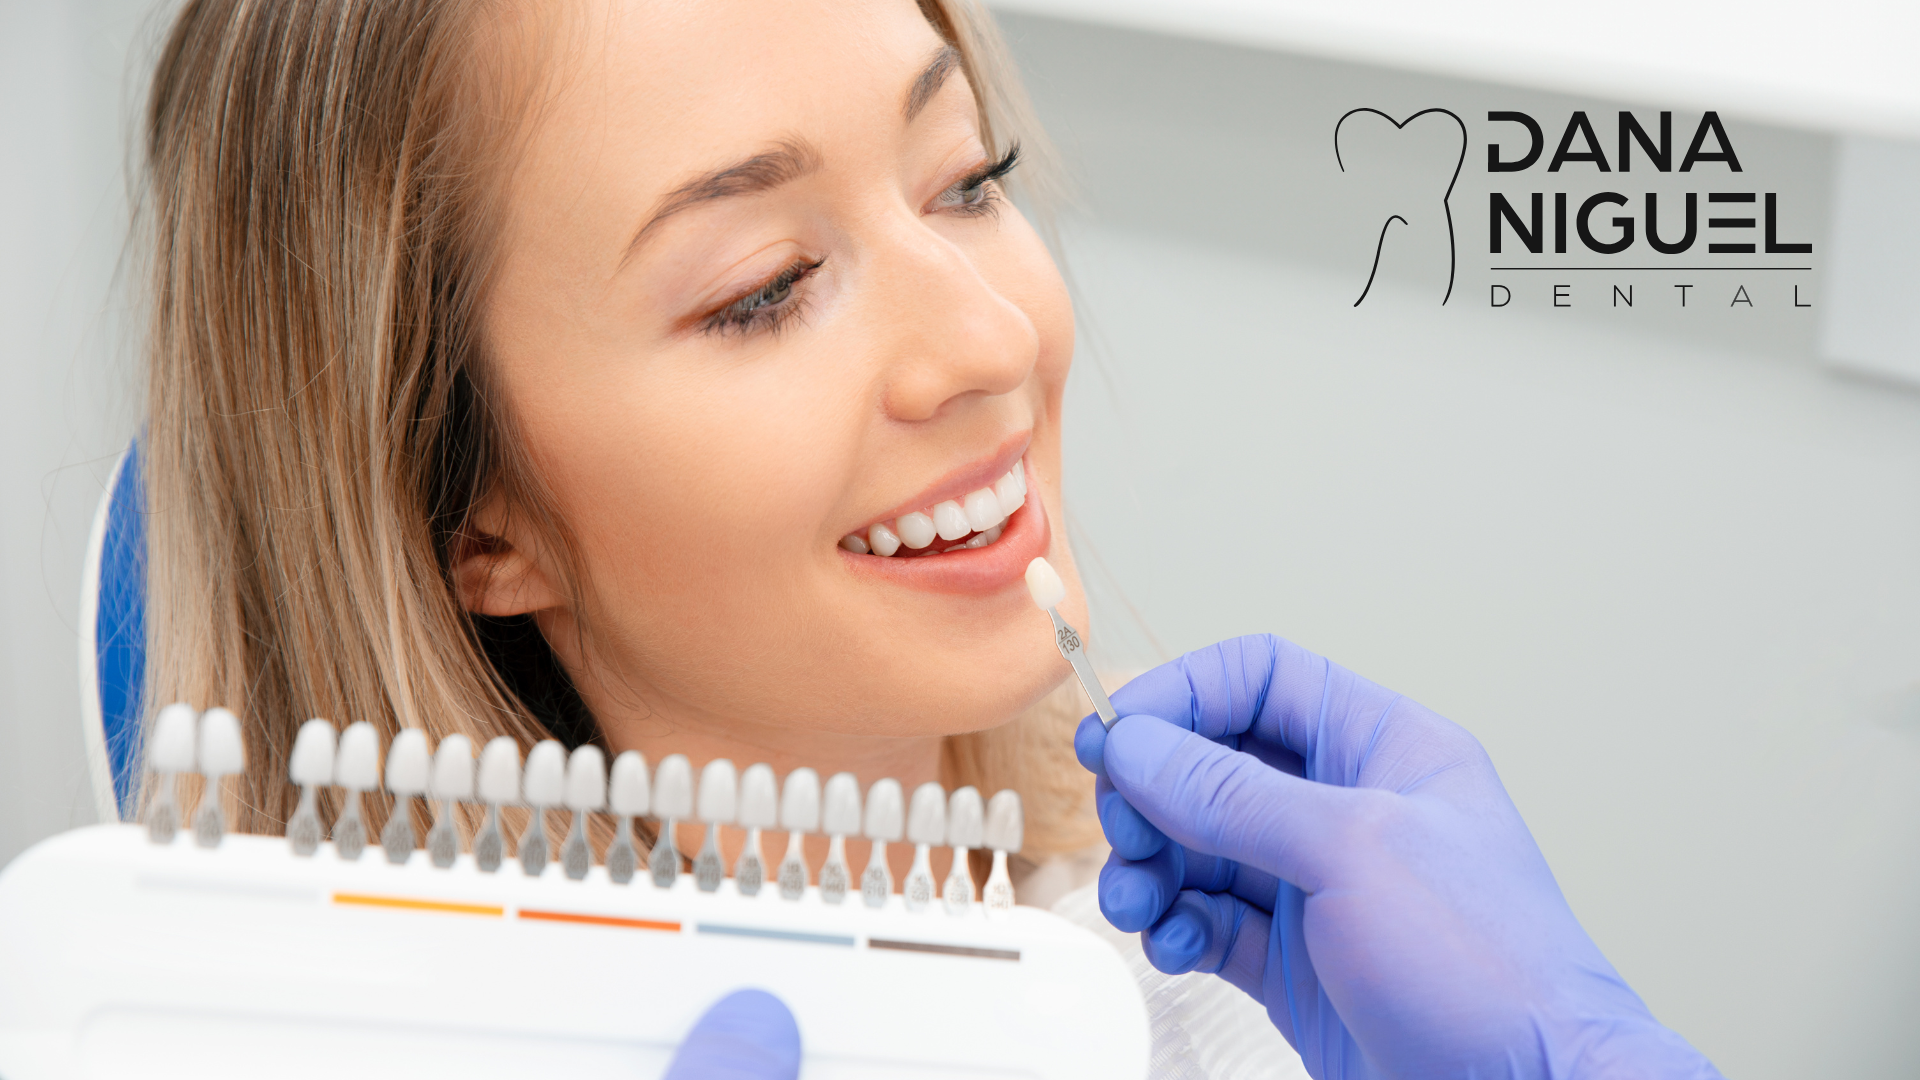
<point>747,1035</point>
<point>1227,803</point>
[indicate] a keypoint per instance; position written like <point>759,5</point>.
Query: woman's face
<point>760,293</point>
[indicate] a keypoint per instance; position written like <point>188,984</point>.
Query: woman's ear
<point>496,567</point>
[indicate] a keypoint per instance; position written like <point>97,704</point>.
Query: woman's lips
<point>1024,536</point>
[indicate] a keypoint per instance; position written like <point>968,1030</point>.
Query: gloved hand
<point>747,1035</point>
<point>1350,859</point>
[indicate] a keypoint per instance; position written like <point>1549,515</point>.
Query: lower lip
<point>976,571</point>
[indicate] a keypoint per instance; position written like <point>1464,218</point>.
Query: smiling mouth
<point>964,524</point>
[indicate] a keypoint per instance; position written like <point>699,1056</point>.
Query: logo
<point>1650,213</point>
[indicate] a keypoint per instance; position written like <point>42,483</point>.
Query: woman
<point>530,369</point>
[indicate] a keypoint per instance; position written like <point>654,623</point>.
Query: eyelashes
<point>767,307</point>
<point>770,306</point>
<point>978,192</point>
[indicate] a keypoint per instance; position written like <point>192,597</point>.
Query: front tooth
<point>1008,492</point>
<point>950,521</point>
<point>882,540</point>
<point>915,530</point>
<point>1020,476</point>
<point>983,510</point>
<point>855,543</point>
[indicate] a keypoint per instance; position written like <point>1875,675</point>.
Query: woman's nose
<point>952,334</point>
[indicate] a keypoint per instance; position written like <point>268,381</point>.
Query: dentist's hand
<point>747,1035</point>
<point>1350,859</point>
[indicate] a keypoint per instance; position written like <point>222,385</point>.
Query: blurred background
<point>1663,562</point>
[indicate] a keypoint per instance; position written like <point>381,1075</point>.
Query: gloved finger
<point>1133,895</point>
<point>1089,744</point>
<point>1268,691</point>
<point>747,1035</point>
<point>1132,836</point>
<point>1210,932</point>
<point>1226,803</point>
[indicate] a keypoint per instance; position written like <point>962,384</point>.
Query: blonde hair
<point>322,184</point>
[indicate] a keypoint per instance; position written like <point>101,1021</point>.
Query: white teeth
<point>950,521</point>
<point>882,540</point>
<point>916,530</point>
<point>855,543</point>
<point>983,510</point>
<point>1020,477</point>
<point>1008,494</point>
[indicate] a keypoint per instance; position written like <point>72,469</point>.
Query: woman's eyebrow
<point>787,161</point>
<point>931,79</point>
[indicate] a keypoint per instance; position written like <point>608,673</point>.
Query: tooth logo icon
<point>1399,182</point>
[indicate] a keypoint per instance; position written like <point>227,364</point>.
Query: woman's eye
<point>973,195</point>
<point>978,192</point>
<point>764,308</point>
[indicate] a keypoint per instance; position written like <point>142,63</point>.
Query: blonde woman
<point>676,375</point>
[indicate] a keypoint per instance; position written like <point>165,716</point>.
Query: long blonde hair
<point>322,184</point>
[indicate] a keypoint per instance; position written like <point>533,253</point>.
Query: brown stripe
<point>944,950</point>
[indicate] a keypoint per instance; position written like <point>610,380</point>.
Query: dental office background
<point>1663,559</point>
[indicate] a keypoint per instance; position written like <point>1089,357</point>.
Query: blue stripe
<point>777,935</point>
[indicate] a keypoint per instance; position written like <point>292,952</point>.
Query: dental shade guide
<point>1005,831</point>
<point>169,755</point>
<point>310,766</point>
<point>965,826</point>
<point>221,755</point>
<point>629,795</point>
<point>407,763</point>
<point>356,769</point>
<point>885,821</point>
<point>799,815</point>
<point>672,801</point>
<point>840,815</point>
<point>759,809</point>
<point>1047,590</point>
<point>719,805</point>
<point>586,793</point>
<point>499,785</point>
<point>452,782</point>
<point>543,785</point>
<point>926,827</point>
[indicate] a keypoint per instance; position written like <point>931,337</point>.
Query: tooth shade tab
<point>357,767</point>
<point>1044,584</point>
<point>800,801</point>
<point>927,816</point>
<point>1006,822</point>
<point>673,788</point>
<point>916,530</point>
<point>882,540</point>
<point>311,761</point>
<point>759,797</point>
<point>983,510</point>
<point>171,748</point>
<point>840,814</point>
<point>453,769</point>
<point>220,752</point>
<point>545,781</point>
<point>586,779</point>
<point>630,792</point>
<point>884,815</point>
<point>950,521</point>
<point>965,818</point>
<point>500,771</point>
<point>407,763</point>
<point>719,793</point>
<point>1008,494</point>
<point>855,543</point>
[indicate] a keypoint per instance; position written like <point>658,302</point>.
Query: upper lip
<point>964,480</point>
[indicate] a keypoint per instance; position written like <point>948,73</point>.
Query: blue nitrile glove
<point>1350,859</point>
<point>747,1035</point>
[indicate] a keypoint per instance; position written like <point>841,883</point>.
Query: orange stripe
<point>600,920</point>
<point>417,905</point>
